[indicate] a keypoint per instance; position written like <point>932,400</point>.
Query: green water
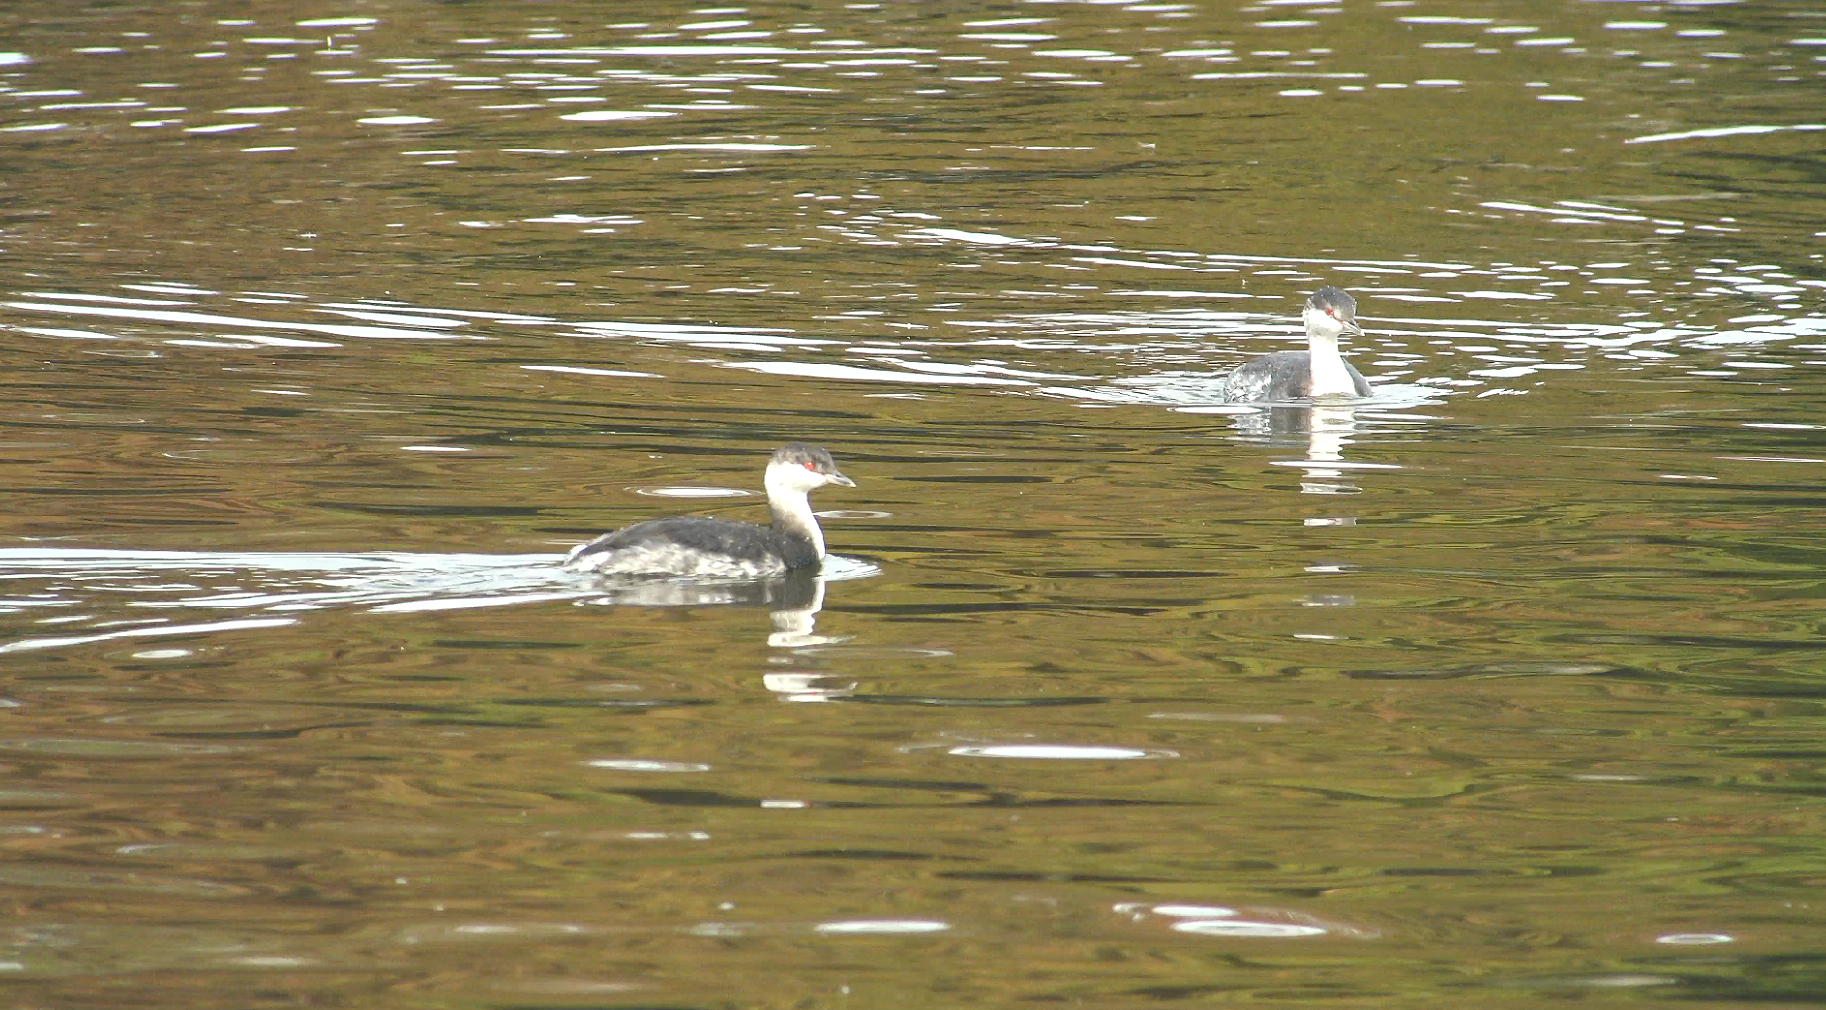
<point>326,331</point>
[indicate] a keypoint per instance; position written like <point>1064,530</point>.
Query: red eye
<point>808,466</point>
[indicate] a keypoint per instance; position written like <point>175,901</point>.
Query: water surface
<point>327,329</point>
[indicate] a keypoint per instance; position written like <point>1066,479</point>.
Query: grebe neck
<point>1329,376</point>
<point>792,510</point>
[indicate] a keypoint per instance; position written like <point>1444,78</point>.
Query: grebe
<point>1316,371</point>
<point>724,548</point>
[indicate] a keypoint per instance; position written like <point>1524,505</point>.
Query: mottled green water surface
<point>327,328</point>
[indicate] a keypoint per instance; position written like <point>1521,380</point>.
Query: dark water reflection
<point>327,329</point>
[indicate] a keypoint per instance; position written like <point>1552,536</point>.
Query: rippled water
<point>328,328</point>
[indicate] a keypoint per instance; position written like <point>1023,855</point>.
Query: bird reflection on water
<point>793,602</point>
<point>793,599</point>
<point>1323,430</point>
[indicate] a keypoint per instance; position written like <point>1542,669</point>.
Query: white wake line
<point>246,323</point>
<point>1724,131</point>
<point>99,559</point>
<point>380,583</point>
<point>28,644</point>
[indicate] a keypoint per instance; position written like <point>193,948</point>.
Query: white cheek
<point>801,478</point>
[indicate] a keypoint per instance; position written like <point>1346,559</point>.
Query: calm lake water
<point>327,328</point>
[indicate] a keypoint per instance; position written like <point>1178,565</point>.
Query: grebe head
<point>798,467</point>
<point>1330,312</point>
